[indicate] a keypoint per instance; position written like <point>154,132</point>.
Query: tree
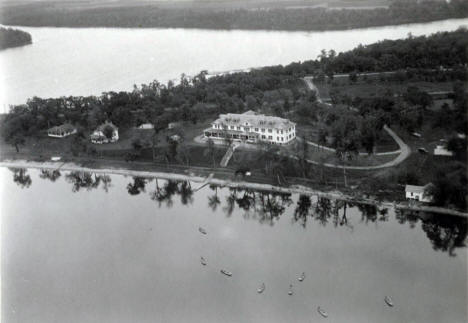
<point>108,131</point>
<point>210,151</point>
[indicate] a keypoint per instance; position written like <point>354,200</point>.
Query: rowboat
<point>389,301</point>
<point>225,272</point>
<point>322,312</point>
<point>203,261</point>
<point>261,288</point>
<point>203,231</point>
<point>290,292</point>
<point>302,277</point>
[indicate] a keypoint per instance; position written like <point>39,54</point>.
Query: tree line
<point>399,12</point>
<point>10,37</point>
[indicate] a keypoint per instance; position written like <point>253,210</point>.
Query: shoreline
<point>318,30</point>
<point>210,180</point>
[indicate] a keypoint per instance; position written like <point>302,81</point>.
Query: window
<point>277,131</point>
<point>263,137</point>
<point>256,129</point>
<point>270,137</point>
<point>263,129</point>
<point>281,131</point>
<point>246,128</point>
<point>270,131</point>
<point>277,138</point>
<point>238,128</point>
<point>232,127</point>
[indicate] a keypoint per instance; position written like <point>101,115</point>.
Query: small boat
<point>261,288</point>
<point>322,312</point>
<point>290,292</point>
<point>389,301</point>
<point>203,261</point>
<point>202,231</point>
<point>225,272</point>
<point>302,277</point>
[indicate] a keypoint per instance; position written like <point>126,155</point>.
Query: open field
<point>375,88</point>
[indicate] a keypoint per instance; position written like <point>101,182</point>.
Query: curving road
<point>405,151</point>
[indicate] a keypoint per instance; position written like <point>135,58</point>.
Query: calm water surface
<point>68,61</point>
<point>93,248</point>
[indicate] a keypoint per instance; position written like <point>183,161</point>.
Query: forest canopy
<point>10,37</point>
<point>399,12</point>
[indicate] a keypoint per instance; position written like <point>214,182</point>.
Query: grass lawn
<point>383,144</point>
<point>376,88</point>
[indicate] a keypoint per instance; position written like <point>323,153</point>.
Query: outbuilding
<point>418,193</point>
<point>146,126</point>
<point>61,131</point>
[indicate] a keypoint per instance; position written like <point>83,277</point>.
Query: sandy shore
<point>294,189</point>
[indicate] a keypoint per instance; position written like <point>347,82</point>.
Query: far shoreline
<point>405,24</point>
<point>210,180</point>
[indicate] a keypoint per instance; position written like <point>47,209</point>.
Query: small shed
<point>441,150</point>
<point>418,193</point>
<point>146,126</point>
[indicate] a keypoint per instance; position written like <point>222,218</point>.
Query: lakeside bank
<point>190,175</point>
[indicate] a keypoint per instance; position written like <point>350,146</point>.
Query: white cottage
<point>418,193</point>
<point>252,127</point>
<point>61,131</point>
<point>99,137</point>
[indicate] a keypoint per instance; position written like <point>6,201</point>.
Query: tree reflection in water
<point>214,201</point>
<point>264,206</point>
<point>21,177</point>
<point>165,193</point>
<point>50,174</point>
<point>446,233</point>
<point>137,186</point>
<point>87,181</point>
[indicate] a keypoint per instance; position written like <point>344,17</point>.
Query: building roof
<point>252,119</point>
<point>66,127</point>
<point>417,188</point>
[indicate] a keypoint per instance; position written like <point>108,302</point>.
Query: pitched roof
<point>417,188</point>
<point>66,127</point>
<point>252,119</point>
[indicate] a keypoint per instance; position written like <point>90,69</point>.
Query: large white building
<point>252,127</point>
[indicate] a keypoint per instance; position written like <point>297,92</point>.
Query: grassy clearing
<point>375,88</point>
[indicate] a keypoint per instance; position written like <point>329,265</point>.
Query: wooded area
<point>399,12</point>
<point>10,37</point>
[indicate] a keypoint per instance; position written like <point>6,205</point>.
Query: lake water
<point>67,61</point>
<point>93,248</point>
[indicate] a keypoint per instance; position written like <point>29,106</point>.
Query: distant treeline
<point>13,38</point>
<point>399,12</point>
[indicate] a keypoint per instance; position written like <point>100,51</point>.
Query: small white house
<point>418,193</point>
<point>99,137</point>
<point>61,131</point>
<point>441,150</point>
<point>146,126</point>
